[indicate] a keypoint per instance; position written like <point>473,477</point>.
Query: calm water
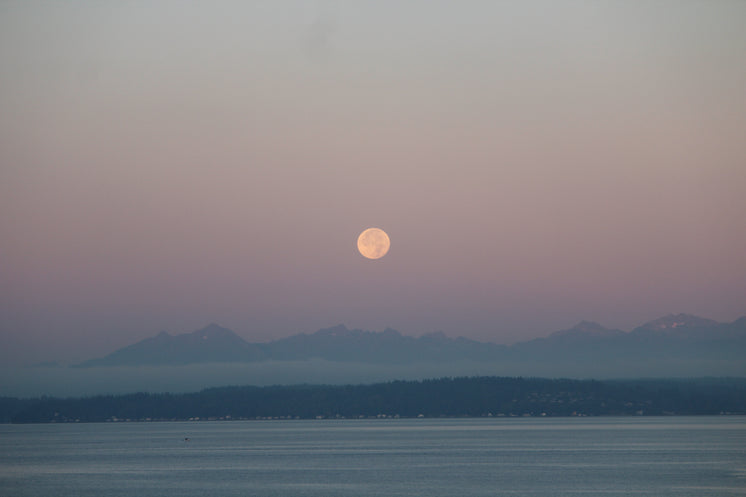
<point>702,456</point>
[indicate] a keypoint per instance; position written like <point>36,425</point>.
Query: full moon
<point>373,243</point>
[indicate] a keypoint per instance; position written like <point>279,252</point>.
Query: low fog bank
<point>74,382</point>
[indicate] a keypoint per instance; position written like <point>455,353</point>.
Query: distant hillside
<point>210,344</point>
<point>679,337</point>
<point>675,340</point>
<point>479,396</point>
<point>386,347</point>
<point>339,344</point>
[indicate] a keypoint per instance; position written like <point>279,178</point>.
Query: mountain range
<point>676,339</point>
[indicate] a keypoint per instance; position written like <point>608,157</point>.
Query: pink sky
<point>163,166</point>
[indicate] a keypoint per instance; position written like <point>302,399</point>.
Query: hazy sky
<point>164,165</point>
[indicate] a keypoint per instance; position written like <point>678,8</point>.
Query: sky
<point>165,165</point>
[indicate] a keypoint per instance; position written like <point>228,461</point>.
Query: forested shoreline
<point>444,397</point>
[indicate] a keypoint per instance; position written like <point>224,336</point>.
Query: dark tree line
<point>479,396</point>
